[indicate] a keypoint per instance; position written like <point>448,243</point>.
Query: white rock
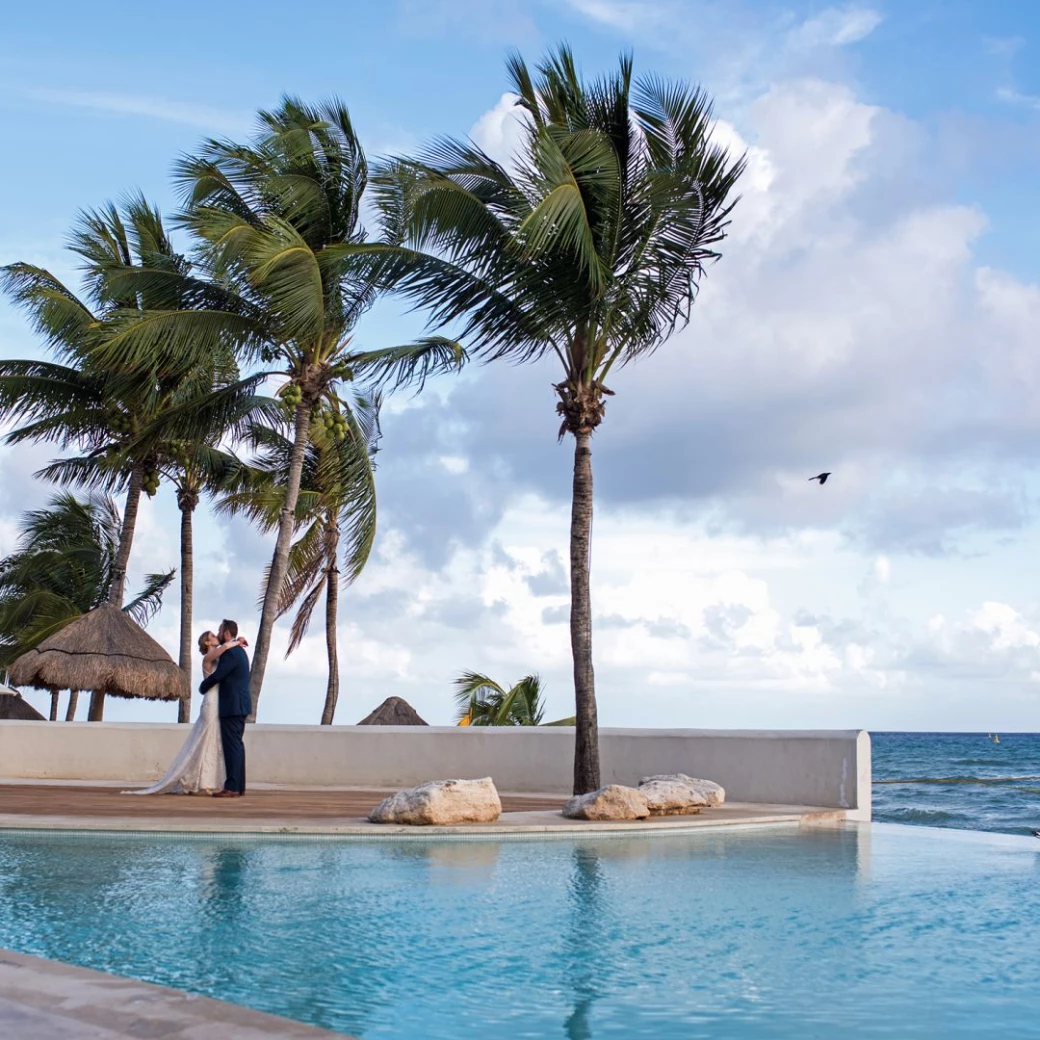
<point>441,801</point>
<point>698,792</point>
<point>612,802</point>
<point>671,798</point>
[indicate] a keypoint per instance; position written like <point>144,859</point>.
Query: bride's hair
<point>202,642</point>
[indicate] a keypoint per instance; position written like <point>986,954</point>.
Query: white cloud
<point>836,27</point>
<point>737,49</point>
<point>206,117</point>
<point>9,533</point>
<point>883,569</point>
<point>505,21</point>
<point>995,644</point>
<point>1011,96</point>
<point>626,15</point>
<point>1003,46</point>
<point>499,131</point>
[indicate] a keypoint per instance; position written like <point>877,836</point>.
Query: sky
<point>874,314</point>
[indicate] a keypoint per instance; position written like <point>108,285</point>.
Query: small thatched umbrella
<point>394,712</point>
<point>12,706</point>
<point>104,651</point>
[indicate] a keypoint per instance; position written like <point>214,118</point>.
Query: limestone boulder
<point>670,798</point>
<point>441,802</point>
<point>612,802</point>
<point>669,792</point>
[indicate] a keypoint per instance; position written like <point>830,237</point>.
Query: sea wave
<point>957,780</point>
<point>936,817</point>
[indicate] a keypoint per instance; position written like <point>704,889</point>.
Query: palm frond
<point>102,472</point>
<point>474,690</point>
<point>592,245</point>
<point>308,562</point>
<point>148,602</point>
<point>303,615</point>
<point>523,703</point>
<point>56,313</point>
<point>391,368</point>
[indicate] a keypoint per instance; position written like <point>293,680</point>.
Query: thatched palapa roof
<point>394,711</point>
<point>12,706</point>
<point>104,651</point>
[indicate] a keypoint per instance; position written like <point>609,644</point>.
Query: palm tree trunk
<point>70,711</point>
<point>54,706</point>
<point>117,586</point>
<point>187,507</point>
<point>97,707</point>
<point>331,618</point>
<point>586,737</point>
<point>280,559</point>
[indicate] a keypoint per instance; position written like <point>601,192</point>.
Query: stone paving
<point>46,1000</point>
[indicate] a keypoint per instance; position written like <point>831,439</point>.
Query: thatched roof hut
<point>394,711</point>
<point>13,706</point>
<point>105,652</point>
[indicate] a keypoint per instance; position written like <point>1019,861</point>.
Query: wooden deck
<point>56,806</point>
<point>302,806</point>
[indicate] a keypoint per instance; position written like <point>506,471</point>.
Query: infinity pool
<point>880,931</point>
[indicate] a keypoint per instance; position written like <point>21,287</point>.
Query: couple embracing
<point>213,758</point>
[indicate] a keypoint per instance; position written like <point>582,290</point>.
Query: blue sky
<point>874,314</point>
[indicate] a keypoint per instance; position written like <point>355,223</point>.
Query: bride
<point>199,765</point>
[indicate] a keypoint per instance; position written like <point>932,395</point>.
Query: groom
<point>232,672</point>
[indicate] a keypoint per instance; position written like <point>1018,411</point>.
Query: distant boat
<point>996,738</point>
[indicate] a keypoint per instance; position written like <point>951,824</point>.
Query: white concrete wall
<point>825,768</point>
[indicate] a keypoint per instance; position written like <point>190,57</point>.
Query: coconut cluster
<point>335,425</point>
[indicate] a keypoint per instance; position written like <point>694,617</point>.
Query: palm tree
<point>216,400</point>
<point>480,701</point>
<point>590,248</point>
<point>336,507</point>
<point>63,567</point>
<point>119,413</point>
<point>193,468</point>
<point>278,222</point>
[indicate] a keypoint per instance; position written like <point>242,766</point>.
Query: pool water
<point>882,931</point>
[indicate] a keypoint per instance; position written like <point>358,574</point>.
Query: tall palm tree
<point>64,566</point>
<point>336,508</point>
<point>278,220</point>
<point>193,468</point>
<point>590,248</point>
<point>218,407</point>
<point>118,413</point>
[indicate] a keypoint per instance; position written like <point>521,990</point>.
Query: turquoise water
<point>872,932</point>
<point>962,780</point>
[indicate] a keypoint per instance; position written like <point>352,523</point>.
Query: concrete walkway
<point>47,1000</point>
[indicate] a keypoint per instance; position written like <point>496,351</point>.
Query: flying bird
<point>821,477</point>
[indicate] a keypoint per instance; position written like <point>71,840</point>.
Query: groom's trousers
<point>231,729</point>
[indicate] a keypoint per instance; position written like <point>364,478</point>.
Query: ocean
<point>962,780</point>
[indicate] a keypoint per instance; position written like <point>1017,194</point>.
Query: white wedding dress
<point>199,765</point>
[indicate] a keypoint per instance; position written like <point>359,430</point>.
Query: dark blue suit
<point>232,672</point>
